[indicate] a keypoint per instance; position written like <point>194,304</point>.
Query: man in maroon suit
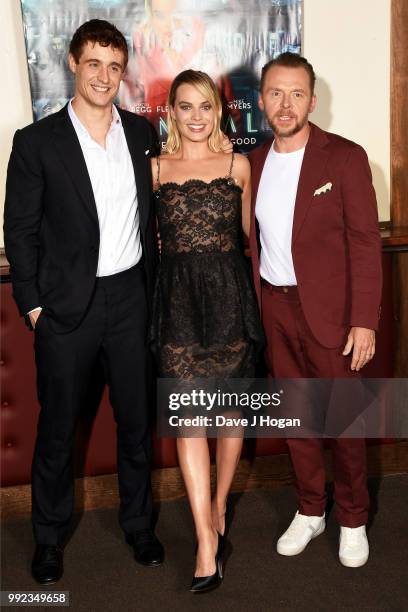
<point>316,255</point>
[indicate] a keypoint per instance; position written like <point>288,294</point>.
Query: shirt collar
<point>81,129</point>
<point>116,119</point>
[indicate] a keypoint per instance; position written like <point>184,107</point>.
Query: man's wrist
<point>32,317</point>
<point>37,309</point>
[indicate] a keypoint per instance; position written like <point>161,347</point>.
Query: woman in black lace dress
<point>205,321</point>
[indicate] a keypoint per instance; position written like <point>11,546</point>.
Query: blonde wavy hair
<point>206,86</point>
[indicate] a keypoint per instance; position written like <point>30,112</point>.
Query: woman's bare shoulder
<point>241,161</point>
<point>241,167</point>
<point>166,158</point>
<point>163,159</point>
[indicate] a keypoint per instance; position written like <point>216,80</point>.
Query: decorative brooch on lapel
<point>323,189</point>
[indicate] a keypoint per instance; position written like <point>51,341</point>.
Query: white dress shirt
<point>114,188</point>
<point>275,205</point>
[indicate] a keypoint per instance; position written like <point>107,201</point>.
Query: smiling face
<point>97,74</point>
<point>193,113</point>
<point>287,99</point>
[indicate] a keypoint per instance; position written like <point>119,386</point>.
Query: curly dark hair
<point>98,31</point>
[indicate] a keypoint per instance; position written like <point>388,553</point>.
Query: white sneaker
<point>299,533</point>
<point>354,550</point>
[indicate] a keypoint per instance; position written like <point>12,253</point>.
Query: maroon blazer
<point>336,244</point>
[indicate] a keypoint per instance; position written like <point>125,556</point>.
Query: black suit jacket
<point>51,227</point>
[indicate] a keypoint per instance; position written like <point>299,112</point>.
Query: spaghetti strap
<point>158,172</point>
<point>232,163</point>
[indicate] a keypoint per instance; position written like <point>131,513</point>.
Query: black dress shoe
<point>47,566</point>
<point>146,547</point>
<point>202,584</point>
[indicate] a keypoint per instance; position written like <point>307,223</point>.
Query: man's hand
<point>34,314</point>
<point>362,341</point>
<point>226,145</point>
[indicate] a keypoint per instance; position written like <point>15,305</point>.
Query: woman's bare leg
<point>194,461</point>
<point>228,454</point>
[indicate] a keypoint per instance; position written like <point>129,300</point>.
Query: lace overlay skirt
<point>205,317</point>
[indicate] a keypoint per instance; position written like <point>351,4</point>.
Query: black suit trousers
<point>114,330</point>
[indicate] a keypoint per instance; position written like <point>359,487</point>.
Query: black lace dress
<point>205,316</point>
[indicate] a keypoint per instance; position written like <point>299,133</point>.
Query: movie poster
<point>229,39</point>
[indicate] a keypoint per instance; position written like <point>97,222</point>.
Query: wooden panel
<point>400,282</point>
<point>261,472</point>
<point>4,264</point>
<point>399,114</point>
<point>394,236</point>
<point>399,173</point>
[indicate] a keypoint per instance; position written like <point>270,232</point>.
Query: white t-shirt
<point>275,205</point>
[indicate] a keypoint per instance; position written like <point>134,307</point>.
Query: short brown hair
<point>290,60</point>
<point>98,31</point>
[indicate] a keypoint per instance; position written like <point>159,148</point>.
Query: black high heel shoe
<point>227,520</point>
<point>202,584</point>
<point>223,536</point>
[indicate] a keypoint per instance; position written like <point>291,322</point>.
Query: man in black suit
<point>80,238</point>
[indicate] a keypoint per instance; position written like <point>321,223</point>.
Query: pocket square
<point>323,189</point>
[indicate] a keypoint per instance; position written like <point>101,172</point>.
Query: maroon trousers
<point>293,352</point>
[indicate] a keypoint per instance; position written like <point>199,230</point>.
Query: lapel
<point>257,159</point>
<point>69,150</point>
<point>313,167</point>
<point>141,167</point>
<point>257,167</point>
